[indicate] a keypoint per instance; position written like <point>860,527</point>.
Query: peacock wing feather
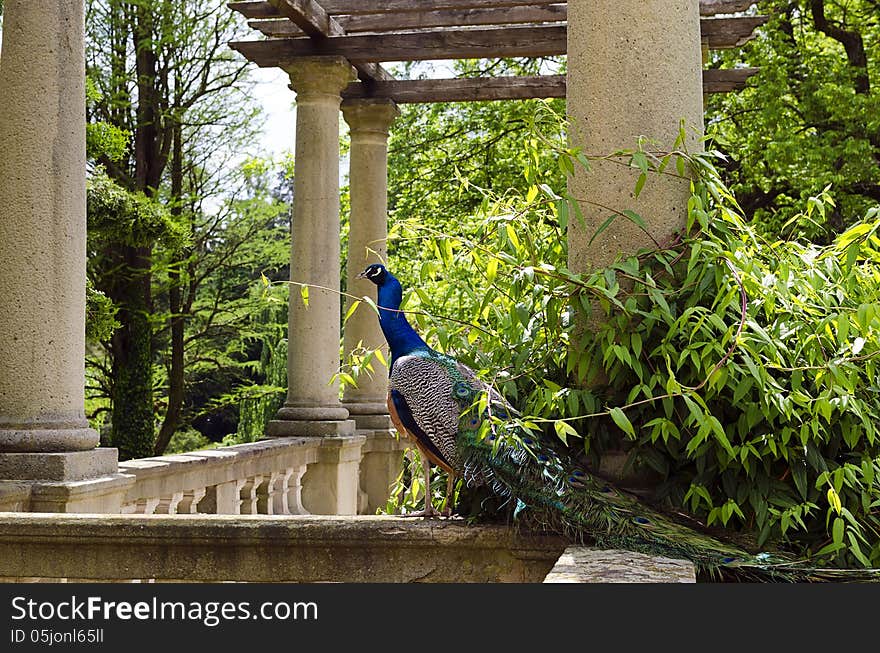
<point>427,391</point>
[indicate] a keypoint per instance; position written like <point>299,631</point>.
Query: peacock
<point>441,405</point>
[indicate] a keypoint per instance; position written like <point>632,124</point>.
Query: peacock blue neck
<point>402,338</point>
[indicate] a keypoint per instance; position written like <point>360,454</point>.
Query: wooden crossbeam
<point>263,9</point>
<point>413,46</point>
<point>313,20</point>
<point>481,89</point>
<point>308,16</point>
<point>721,33</point>
<point>718,33</point>
<point>252,9</point>
<point>727,80</point>
<point>713,7</point>
<point>509,41</point>
<point>424,19</point>
<point>474,89</point>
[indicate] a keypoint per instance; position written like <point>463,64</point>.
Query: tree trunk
<point>133,422</point>
<point>176,389</point>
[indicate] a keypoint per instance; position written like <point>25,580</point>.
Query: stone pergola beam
<point>482,89</point>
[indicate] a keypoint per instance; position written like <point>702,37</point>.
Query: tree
<point>157,64</point>
<point>809,119</point>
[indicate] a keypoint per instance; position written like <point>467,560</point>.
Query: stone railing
<point>342,475</point>
<point>338,475</point>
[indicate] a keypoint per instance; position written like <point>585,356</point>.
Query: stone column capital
<point>315,77</point>
<point>370,116</point>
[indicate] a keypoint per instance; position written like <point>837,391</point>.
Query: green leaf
<point>304,293</point>
<point>635,218</point>
<point>352,309</point>
<point>640,184</point>
<point>837,531</point>
<point>622,422</point>
<point>563,430</point>
<point>602,227</point>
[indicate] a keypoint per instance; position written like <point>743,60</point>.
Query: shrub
<point>742,370</point>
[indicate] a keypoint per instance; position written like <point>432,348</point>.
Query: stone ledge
<point>14,496</point>
<point>260,548</point>
<point>580,564</point>
<point>68,466</point>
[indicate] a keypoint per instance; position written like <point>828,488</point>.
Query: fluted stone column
<point>312,406</point>
<point>45,440</point>
<point>369,122</point>
<point>634,69</point>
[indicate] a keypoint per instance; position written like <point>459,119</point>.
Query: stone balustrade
<point>342,475</point>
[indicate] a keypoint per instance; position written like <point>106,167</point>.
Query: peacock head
<point>377,273</point>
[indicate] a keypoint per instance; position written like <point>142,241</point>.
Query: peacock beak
<point>362,275</point>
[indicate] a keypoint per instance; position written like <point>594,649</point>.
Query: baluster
<point>190,503</point>
<point>294,491</point>
<point>248,494</point>
<point>282,487</point>
<point>266,494</point>
<point>146,506</point>
<point>168,505</point>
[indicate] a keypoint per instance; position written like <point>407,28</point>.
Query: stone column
<point>43,228</point>
<point>369,121</point>
<point>634,69</point>
<point>45,440</point>
<point>312,406</point>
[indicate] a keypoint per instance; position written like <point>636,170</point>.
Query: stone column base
<point>331,485</point>
<point>68,466</point>
<point>370,416</point>
<point>287,428</point>
<point>74,481</point>
<point>381,465</point>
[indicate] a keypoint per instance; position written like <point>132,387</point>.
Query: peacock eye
<point>461,389</point>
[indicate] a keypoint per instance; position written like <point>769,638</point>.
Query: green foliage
<point>100,314</point>
<point>759,416</point>
<point>133,420</point>
<point>808,120</point>
<point>121,216</point>
<point>186,440</point>
<point>103,139</point>
<point>259,403</point>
